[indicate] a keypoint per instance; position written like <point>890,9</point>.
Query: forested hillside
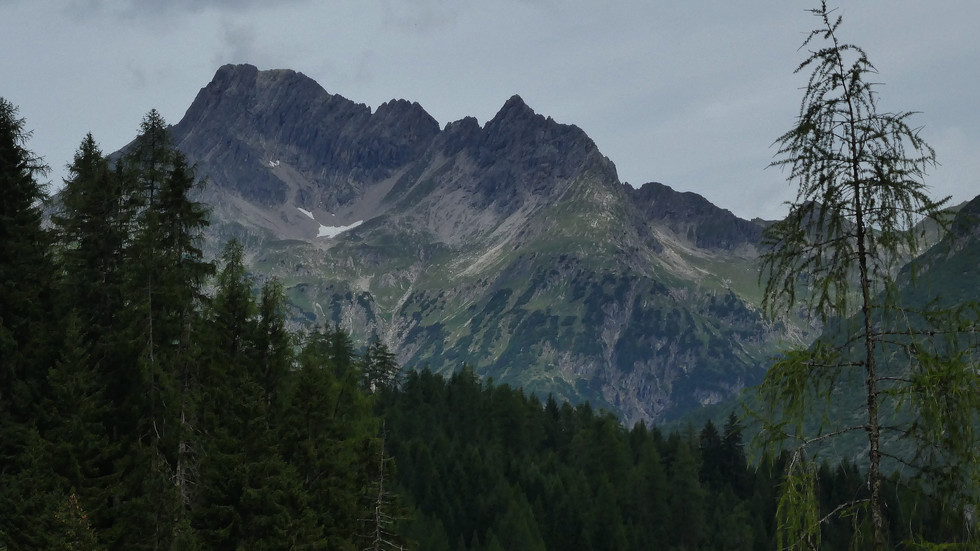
<point>486,467</point>
<point>153,399</point>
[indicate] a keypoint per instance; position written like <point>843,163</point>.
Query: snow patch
<point>329,231</point>
<point>333,231</point>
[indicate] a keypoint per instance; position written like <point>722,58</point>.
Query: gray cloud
<point>690,94</point>
<point>152,10</point>
<point>420,15</point>
<point>239,45</point>
<point>150,6</point>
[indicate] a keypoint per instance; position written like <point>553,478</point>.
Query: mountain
<point>512,246</point>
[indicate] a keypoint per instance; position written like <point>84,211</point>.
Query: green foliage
<point>860,192</point>
<point>797,514</point>
<point>497,467</point>
<point>470,455</point>
<point>380,367</point>
<point>860,198</point>
<point>28,341</point>
<point>75,435</point>
<point>330,436</point>
<point>26,269</point>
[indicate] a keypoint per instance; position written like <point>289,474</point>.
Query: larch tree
<point>836,256</point>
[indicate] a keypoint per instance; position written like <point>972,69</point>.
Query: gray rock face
<point>512,247</point>
<point>247,120</point>
<point>691,215</point>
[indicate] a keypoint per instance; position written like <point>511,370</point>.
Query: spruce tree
<point>331,436</point>
<point>28,339</point>
<point>163,276</point>
<point>379,366</point>
<point>92,224</point>
<point>92,231</point>
<point>274,346</point>
<point>249,494</point>
<point>26,271</point>
<point>224,416</point>
<point>686,498</point>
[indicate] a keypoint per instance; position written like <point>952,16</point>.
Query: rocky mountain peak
<point>406,122</point>
<point>513,110</point>
<point>517,133</point>
<point>328,148</point>
<point>401,108</point>
<point>229,75</point>
<point>242,89</point>
<point>692,216</point>
<point>516,119</point>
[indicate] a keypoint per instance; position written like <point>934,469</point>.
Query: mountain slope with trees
<point>510,246</point>
<point>174,408</point>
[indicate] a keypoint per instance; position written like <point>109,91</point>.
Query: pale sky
<point>690,94</point>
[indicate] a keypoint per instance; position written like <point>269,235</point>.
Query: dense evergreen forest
<point>153,399</point>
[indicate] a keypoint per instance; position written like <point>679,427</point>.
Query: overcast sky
<point>690,94</point>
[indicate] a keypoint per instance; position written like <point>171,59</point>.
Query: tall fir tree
<point>274,346</point>
<point>163,280</point>
<point>379,367</point>
<point>92,231</point>
<point>26,270</point>
<point>330,434</point>
<point>227,342</point>
<point>29,336</point>
<point>249,495</point>
<point>92,226</point>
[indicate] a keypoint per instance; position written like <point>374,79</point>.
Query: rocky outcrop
<point>247,121</point>
<point>695,218</point>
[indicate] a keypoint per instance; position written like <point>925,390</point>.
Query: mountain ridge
<point>511,246</point>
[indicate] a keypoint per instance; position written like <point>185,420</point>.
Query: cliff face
<point>510,246</point>
<point>272,141</point>
<point>689,215</point>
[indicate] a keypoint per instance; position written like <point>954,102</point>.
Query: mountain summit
<point>512,247</point>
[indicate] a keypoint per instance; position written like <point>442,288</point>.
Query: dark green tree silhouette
<point>26,270</point>
<point>379,366</point>
<point>155,369</point>
<point>28,339</point>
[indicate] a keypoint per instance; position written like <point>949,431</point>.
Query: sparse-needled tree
<point>860,200</point>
